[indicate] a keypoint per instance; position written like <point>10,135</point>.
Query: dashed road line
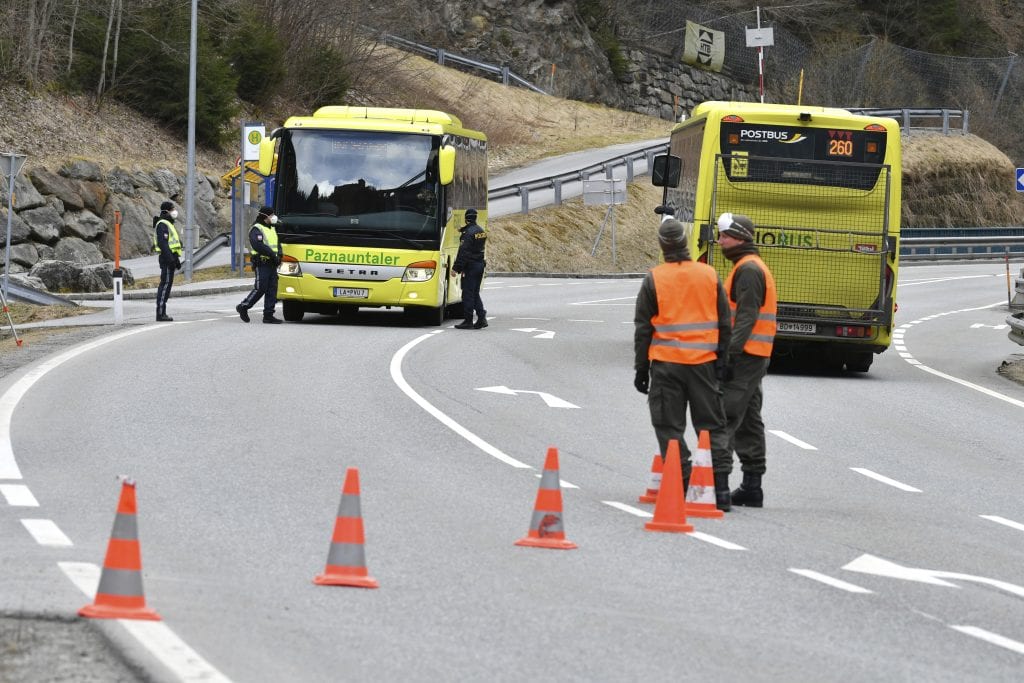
<point>699,535</point>
<point>47,533</point>
<point>793,440</point>
<point>826,579</point>
<point>1002,520</point>
<point>18,495</point>
<point>990,637</point>
<point>885,480</point>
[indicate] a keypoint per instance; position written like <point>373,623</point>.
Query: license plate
<point>350,293</point>
<point>799,328</point>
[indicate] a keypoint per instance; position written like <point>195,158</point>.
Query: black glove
<point>642,381</point>
<point>723,371</point>
<point>177,262</point>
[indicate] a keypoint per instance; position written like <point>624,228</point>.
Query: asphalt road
<point>891,546</point>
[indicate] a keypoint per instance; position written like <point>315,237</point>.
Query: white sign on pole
<point>596,192</point>
<point>760,37</point>
<point>252,135</point>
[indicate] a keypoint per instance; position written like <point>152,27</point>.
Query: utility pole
<point>190,173</point>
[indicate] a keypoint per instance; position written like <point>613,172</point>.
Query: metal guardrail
<point>28,295</point>
<point>937,118</point>
<point>555,182</point>
<point>207,250</point>
<point>442,56</point>
<point>953,244</point>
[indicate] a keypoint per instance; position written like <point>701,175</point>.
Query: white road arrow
<point>544,334</point>
<point>869,564</point>
<point>552,401</point>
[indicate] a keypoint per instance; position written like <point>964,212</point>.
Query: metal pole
<point>1006,77</point>
<point>190,183</point>
<point>10,216</point>
<point>760,59</point>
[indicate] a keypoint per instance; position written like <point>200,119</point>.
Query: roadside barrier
<point>546,527</point>
<point>700,496</point>
<point>119,595</point>
<point>670,510</point>
<point>346,560</point>
<point>654,483</point>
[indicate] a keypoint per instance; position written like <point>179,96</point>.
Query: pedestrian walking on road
<point>167,244</point>
<point>681,330</point>
<point>470,263</point>
<point>266,257</point>
<point>752,298</point>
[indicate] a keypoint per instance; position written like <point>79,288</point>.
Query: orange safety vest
<point>763,335</point>
<point>686,326</point>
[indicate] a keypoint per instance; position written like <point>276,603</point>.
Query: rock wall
<point>68,217</point>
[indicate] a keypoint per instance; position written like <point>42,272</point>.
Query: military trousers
<point>743,396</point>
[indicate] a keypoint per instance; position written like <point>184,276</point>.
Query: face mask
<point>273,220</point>
<point>174,213</point>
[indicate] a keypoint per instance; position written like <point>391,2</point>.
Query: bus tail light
<point>289,266</point>
<point>421,271</point>
<point>853,331</point>
<point>878,128</point>
<point>732,118</point>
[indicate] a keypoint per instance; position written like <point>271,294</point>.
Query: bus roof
<point>346,117</point>
<point>778,113</point>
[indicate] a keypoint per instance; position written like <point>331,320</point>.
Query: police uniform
<point>754,303</point>
<point>469,261</point>
<point>167,244</point>
<point>265,251</point>
<point>681,327</point>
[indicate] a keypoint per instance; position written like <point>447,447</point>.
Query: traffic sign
<point>1020,180</point>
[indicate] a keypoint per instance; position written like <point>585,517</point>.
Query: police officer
<point>469,262</point>
<point>681,329</point>
<point>168,245</point>
<point>266,256</point>
<point>752,298</point>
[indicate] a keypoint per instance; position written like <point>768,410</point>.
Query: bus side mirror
<point>266,156</point>
<point>666,170</point>
<point>446,164</point>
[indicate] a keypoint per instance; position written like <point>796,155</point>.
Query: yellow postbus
<point>369,202</point>
<point>822,186</point>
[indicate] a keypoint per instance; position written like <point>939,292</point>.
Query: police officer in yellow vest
<point>266,257</point>
<point>681,329</point>
<point>752,298</point>
<point>168,245</point>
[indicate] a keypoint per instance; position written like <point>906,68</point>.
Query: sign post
<point>117,275</point>
<point>10,167</point>
<point>760,38</point>
<point>252,135</point>
<point>599,192</point>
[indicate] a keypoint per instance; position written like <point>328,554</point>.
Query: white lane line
<point>9,401</point>
<point>699,535</point>
<point>1002,520</point>
<point>929,281</point>
<point>540,319</point>
<point>164,644</point>
<point>793,440</point>
<point>989,637</point>
<point>47,533</point>
<point>399,379</point>
<point>630,301</point>
<point>885,480</point>
<point>835,583</point>
<point>18,495</point>
<point>584,320</point>
<point>561,482</point>
<point>627,508</point>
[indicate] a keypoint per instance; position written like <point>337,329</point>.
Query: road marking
<point>627,508</point>
<point>993,638</point>
<point>605,302</point>
<point>544,334</point>
<point>885,480</point>
<point>584,320</point>
<point>399,379</point>
<point>869,564</point>
<point>1002,520</point>
<point>163,643</point>
<point>9,401</point>
<point>550,400</point>
<point>561,482</point>
<point>47,533</point>
<point>700,536</point>
<point>835,583</point>
<point>933,280</point>
<point>18,495</point>
<point>793,440</point>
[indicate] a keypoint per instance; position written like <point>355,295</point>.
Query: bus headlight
<point>289,266</point>
<point>421,271</point>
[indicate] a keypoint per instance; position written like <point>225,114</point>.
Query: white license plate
<point>350,293</point>
<point>799,328</point>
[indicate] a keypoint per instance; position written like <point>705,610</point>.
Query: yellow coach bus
<point>822,186</point>
<point>369,202</point>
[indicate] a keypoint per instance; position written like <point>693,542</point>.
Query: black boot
<point>466,324</point>
<point>723,499</point>
<point>481,322</point>
<point>749,493</point>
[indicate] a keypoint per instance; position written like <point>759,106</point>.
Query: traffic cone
<point>670,509</point>
<point>119,595</point>
<point>346,561</point>
<point>655,481</point>
<point>546,530</point>
<point>700,497</point>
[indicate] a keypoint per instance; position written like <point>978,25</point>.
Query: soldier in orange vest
<point>752,298</point>
<point>681,329</point>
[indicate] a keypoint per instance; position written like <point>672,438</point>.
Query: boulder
<point>94,195</point>
<point>120,181</point>
<point>77,250</point>
<point>26,280</point>
<point>82,169</point>
<point>46,224</point>
<point>25,194</point>
<point>84,224</point>
<point>57,276</point>
<point>62,188</point>
<point>136,225</point>
<point>20,230</point>
<point>25,253</point>
<point>166,183</point>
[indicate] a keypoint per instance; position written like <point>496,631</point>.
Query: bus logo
<point>768,135</point>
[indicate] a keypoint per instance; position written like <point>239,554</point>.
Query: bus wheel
<point>292,311</point>
<point>424,315</point>
<point>860,361</point>
<point>347,312</point>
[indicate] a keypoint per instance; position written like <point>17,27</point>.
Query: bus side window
<point>666,170</point>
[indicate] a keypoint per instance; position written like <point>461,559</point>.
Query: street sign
<point>1020,180</point>
<point>760,37</point>
<point>596,192</point>
<point>252,134</point>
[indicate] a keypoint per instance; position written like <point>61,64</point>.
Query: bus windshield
<point>344,186</point>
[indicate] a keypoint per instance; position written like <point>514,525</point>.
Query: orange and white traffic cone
<point>546,530</point>
<point>346,560</point>
<point>700,497</point>
<point>655,481</point>
<point>119,595</point>
<point>670,509</point>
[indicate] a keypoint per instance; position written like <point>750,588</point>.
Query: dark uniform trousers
<point>742,396</point>
<point>265,286</point>
<point>472,278</point>
<point>673,386</point>
<point>163,291</point>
